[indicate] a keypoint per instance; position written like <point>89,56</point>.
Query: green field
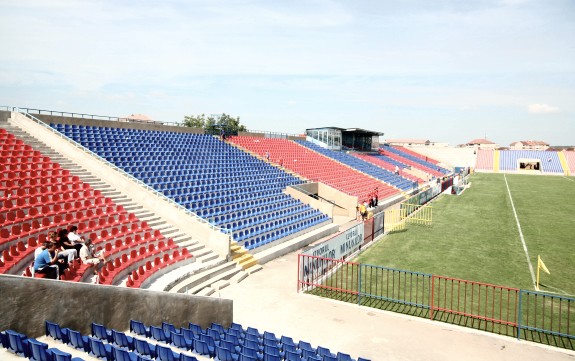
<point>475,235</point>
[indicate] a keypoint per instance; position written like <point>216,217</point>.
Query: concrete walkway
<point>268,300</point>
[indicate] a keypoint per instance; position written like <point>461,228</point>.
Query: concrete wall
<point>319,204</point>
<point>4,115</point>
<point>199,230</point>
<point>28,302</point>
<point>345,201</point>
<point>115,124</point>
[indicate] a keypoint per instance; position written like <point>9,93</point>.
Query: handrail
<point>280,134</point>
<point>86,116</point>
<point>124,173</point>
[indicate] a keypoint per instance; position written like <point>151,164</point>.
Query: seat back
<point>18,343</point>
<point>38,351</point>
<point>166,354</point>
<point>58,355</point>
<point>78,341</point>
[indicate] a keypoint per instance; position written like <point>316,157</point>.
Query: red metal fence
<point>529,315</point>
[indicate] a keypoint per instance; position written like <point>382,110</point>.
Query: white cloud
<point>541,109</point>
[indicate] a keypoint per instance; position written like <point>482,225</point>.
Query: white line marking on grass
<point>520,233</point>
<point>569,179</point>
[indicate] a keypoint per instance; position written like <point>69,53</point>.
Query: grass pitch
<point>475,235</point>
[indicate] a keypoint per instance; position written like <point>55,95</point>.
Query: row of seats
<point>363,166</point>
<point>233,343</point>
<point>417,155</point>
<point>550,163</point>
<point>200,172</point>
<point>410,160</point>
<point>570,158</point>
<point>315,167</point>
<point>20,345</point>
<point>484,160</point>
<point>389,164</point>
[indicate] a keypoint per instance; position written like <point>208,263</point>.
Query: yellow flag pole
<point>538,267</point>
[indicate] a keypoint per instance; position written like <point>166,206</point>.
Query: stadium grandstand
<point>181,218</point>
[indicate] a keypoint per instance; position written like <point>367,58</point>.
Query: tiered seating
<point>316,167</point>
<point>233,343</point>
<point>484,160</point>
<point>39,196</point>
<point>570,157</point>
<point>385,162</point>
<point>411,160</point>
<point>20,345</point>
<point>550,162</point>
<point>417,155</point>
<point>363,166</point>
<point>220,183</point>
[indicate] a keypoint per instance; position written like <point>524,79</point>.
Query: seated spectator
<point>88,256</point>
<point>65,247</point>
<point>48,262</point>
<point>76,240</point>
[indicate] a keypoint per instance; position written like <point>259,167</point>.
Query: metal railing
<point>86,116</point>
<point>526,315</point>
<point>124,173</point>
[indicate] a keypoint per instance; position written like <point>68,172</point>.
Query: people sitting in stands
<point>66,249</point>
<point>48,262</point>
<point>396,170</point>
<point>76,240</point>
<point>88,256</point>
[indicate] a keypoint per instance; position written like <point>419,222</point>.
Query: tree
<point>213,125</point>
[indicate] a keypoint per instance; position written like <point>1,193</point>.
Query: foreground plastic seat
<point>123,355</point>
<point>17,343</point>
<point>139,328</point>
<point>58,355</point>
<point>120,339</point>
<point>39,351</point>
<point>166,354</point>
<point>78,341</point>
<point>144,348</point>
<point>56,332</point>
<point>343,357</point>
<point>100,349</point>
<point>224,354</point>
<point>101,332</point>
<point>181,341</point>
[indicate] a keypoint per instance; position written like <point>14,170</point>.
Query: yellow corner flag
<point>540,266</point>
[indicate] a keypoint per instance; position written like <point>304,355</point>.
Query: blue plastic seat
<point>180,340</point>
<point>56,332</point>
<point>58,355</point>
<point>18,343</point>
<point>38,351</point>
<point>120,339</point>
<point>158,334</point>
<point>201,348</point>
<point>343,357</point>
<point>100,349</point>
<point>144,348</point>
<point>99,331</point>
<point>78,341</point>
<point>166,354</point>
<point>139,328</point>
<point>224,354</point>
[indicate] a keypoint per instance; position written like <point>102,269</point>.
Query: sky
<point>445,71</point>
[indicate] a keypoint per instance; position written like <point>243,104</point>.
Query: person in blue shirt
<point>46,262</point>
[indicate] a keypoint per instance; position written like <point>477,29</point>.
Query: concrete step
<point>207,255</point>
<point>191,282</point>
<point>208,291</point>
<point>132,208</point>
<point>246,261</point>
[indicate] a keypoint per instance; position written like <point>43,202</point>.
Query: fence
<point>528,315</point>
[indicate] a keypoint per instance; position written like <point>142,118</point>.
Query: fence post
<point>299,256</point>
<point>519,314</point>
<point>359,285</point>
<point>432,295</point>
